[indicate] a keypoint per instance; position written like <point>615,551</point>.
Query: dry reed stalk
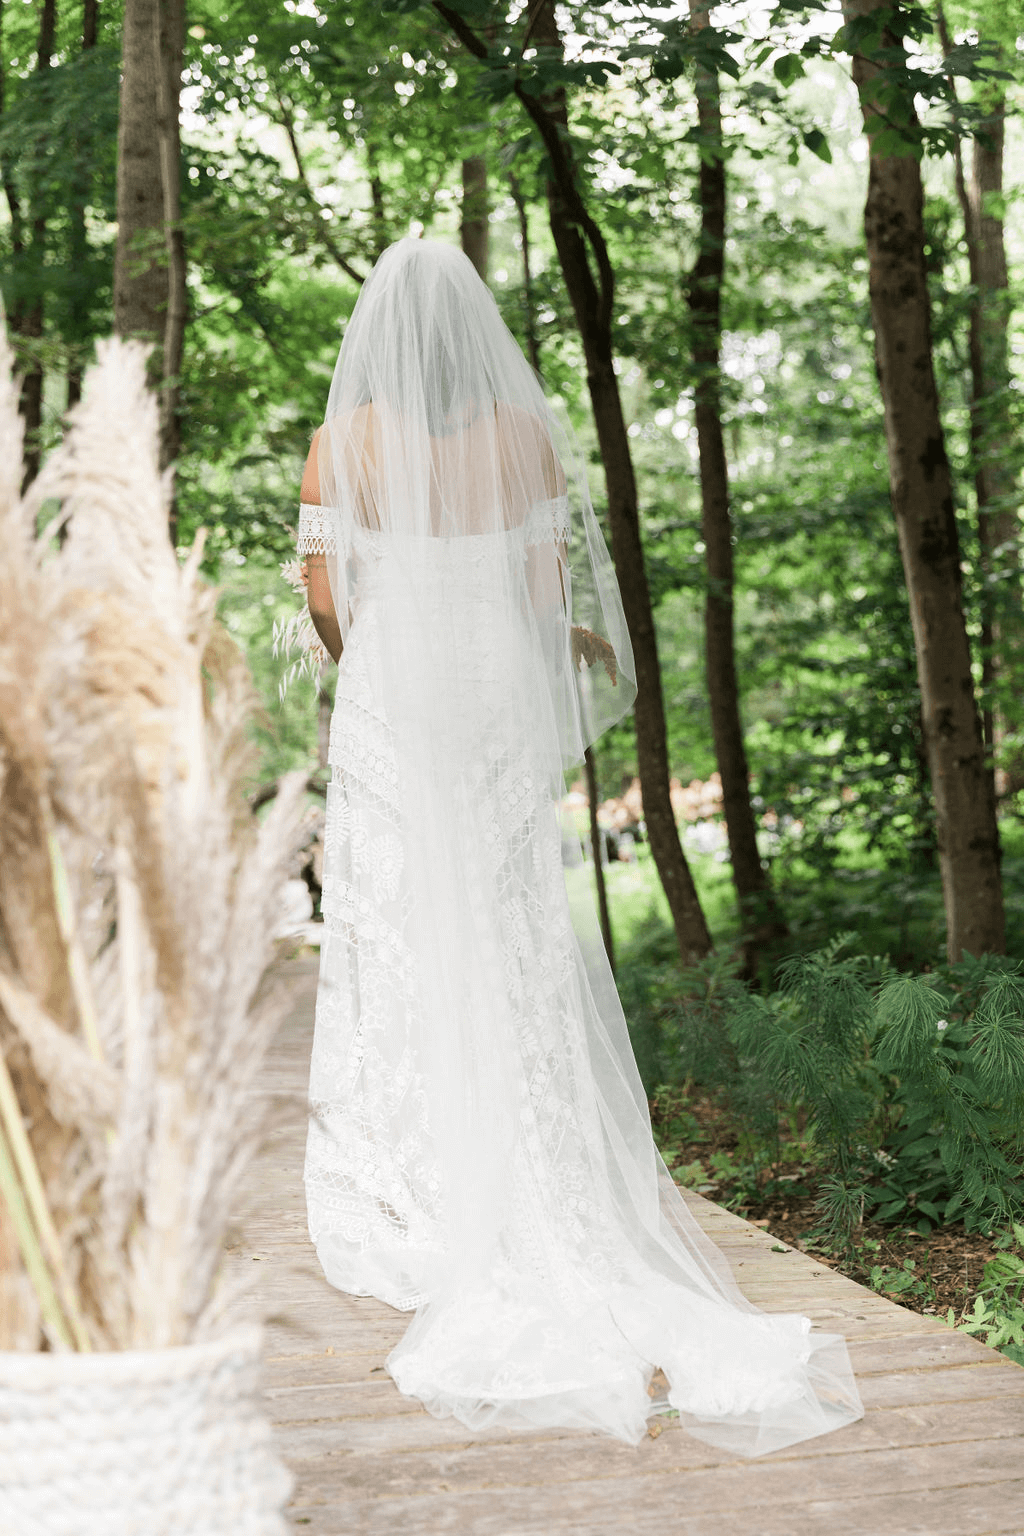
<point>135,934</point>
<point>297,634</point>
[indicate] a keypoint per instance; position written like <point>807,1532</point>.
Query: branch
<point>463,31</point>
<point>326,239</point>
<point>562,169</point>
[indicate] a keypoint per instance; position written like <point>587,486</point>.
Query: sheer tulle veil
<point>480,1147</point>
<point>436,426</point>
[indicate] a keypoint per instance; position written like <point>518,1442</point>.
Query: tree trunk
<point>170,45</point>
<point>529,307</point>
<point>592,304</point>
<point>922,496</point>
<point>9,184</point>
<point>474,228</point>
<point>759,918</point>
<point>149,263</point>
<point>589,760</point>
<point>18,273</point>
<point>575,232</point>
<point>140,260</point>
<point>596,848</point>
<point>991,431</point>
<point>381,233</point>
<point>79,305</point>
<point>27,322</point>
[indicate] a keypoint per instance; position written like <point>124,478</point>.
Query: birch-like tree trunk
<point>922,497</point>
<point>759,918</point>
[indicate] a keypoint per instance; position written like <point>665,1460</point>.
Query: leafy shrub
<point>911,1088</point>
<point>998,1313</point>
<point>901,1282</point>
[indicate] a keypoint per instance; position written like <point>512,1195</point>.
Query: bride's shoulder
<point>520,427</point>
<point>351,422</point>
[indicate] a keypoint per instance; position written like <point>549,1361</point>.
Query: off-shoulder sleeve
<point>548,522</point>
<point>316,531</point>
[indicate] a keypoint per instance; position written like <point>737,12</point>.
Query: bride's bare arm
<point>318,585</point>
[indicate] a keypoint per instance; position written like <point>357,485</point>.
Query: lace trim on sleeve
<point>549,521</point>
<point>316,534</point>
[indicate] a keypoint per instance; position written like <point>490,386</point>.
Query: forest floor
<point>929,1273</point>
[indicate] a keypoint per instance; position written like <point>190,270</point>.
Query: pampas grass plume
<point>138,895</point>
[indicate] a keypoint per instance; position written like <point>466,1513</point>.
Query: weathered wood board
<point>939,1453</point>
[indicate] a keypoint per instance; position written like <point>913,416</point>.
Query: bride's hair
<point>427,291</point>
<point>430,342</point>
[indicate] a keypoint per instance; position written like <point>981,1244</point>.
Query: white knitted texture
<point>166,1442</point>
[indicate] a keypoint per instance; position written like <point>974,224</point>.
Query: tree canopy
<point>312,136</point>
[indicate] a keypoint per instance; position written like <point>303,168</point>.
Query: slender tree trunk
<point>141,289</point>
<point>593,307</point>
<point>529,307</point>
<point>17,271</point>
<point>149,260</point>
<point>79,244</point>
<point>474,227</point>
<point>596,848</point>
<point>382,235</point>
<point>991,430</point>
<point>170,44</point>
<point>589,759</point>
<point>991,433</point>
<point>922,496</point>
<point>575,232</point>
<point>759,918</point>
<point>29,321</point>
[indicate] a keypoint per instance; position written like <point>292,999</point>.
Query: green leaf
<point>787,68</point>
<point>816,142</point>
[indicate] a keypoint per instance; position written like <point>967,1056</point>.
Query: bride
<point>479,1147</point>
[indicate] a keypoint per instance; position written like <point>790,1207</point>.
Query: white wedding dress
<point>479,1145</point>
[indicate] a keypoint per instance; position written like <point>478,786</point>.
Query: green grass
<point>896,913</point>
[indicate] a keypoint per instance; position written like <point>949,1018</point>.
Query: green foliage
<point>901,1282</point>
<point>997,1317</point>
<point>909,1089</point>
<point>314,135</point>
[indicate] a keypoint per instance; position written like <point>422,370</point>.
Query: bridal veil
<point>480,1149</point>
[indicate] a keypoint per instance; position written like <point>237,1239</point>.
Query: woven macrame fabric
<point>167,1442</point>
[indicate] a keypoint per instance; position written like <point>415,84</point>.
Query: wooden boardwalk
<point>939,1453</point>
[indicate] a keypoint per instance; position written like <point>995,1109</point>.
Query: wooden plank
<point>962,1511</point>
<point>938,1453</point>
<point>886,1352</point>
<point>578,1457</point>
<point>844,1486</point>
<point>324,1398</point>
